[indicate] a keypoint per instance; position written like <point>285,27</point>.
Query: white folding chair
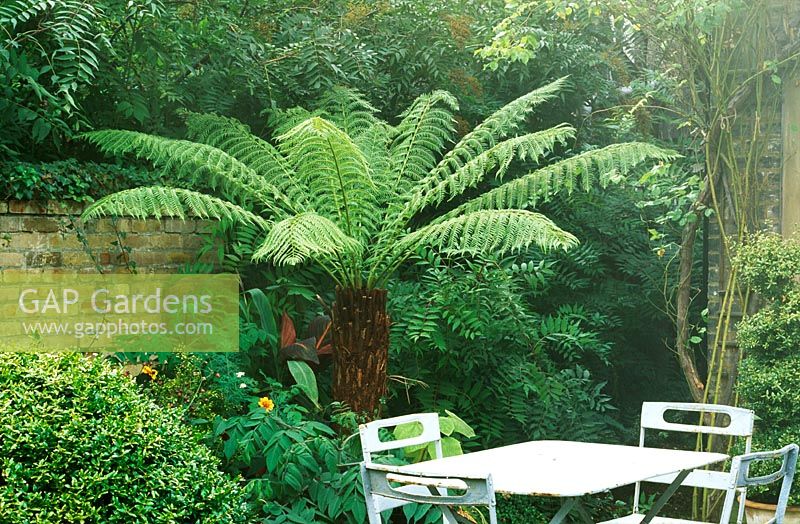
<point>740,425</point>
<point>386,483</point>
<point>386,487</point>
<point>739,478</point>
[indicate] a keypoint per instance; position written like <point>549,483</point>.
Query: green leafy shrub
<point>80,444</point>
<point>67,180</point>
<point>769,376</point>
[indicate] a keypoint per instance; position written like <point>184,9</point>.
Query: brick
<point>43,258</point>
<point>138,226</point>
<point>11,260</point>
<point>64,241</point>
<point>10,224</point>
<point>27,241</point>
<point>3,207</point>
<point>26,207</point>
<point>40,224</point>
<point>176,225</point>
<point>55,207</point>
<point>193,242</point>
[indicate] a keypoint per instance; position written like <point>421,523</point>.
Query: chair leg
<point>373,514</point>
<point>492,514</point>
<point>740,514</point>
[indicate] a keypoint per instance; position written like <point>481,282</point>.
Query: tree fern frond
<point>144,202</point>
<point>336,173</point>
<point>605,165</point>
<point>304,237</point>
<point>500,124</point>
<point>420,136</point>
<point>235,138</point>
<point>440,186</point>
<point>198,163</point>
<point>281,121</point>
<point>348,109</point>
<point>491,231</point>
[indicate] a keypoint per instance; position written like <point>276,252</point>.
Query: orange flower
<point>266,403</point>
<point>150,372</point>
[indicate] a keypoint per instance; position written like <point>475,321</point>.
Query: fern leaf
<point>235,138</point>
<point>491,231</point>
<point>348,109</point>
<point>605,165</point>
<point>199,163</point>
<point>422,133</point>
<point>336,173</point>
<point>500,124</point>
<point>304,237</point>
<point>436,188</point>
<point>144,202</point>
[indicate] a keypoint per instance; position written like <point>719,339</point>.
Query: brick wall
<point>51,237</point>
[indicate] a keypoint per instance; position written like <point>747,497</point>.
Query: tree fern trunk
<point>360,329</point>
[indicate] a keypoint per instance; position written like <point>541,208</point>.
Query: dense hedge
<point>68,180</point>
<point>81,444</point>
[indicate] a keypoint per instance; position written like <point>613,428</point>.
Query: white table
<point>570,470</point>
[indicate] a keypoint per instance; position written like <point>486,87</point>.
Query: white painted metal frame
<point>388,482</point>
<point>740,425</point>
<point>739,477</point>
<point>569,470</point>
<point>383,499</point>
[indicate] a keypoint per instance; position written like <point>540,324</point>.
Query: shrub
<point>80,444</point>
<point>769,377</point>
<point>67,180</point>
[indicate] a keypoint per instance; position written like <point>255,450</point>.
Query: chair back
<point>372,443</point>
<point>441,490</point>
<point>740,424</point>
<point>742,479</point>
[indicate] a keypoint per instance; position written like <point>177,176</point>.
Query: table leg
<point>659,503</point>
<point>569,504</point>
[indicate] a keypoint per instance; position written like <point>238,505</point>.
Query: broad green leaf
<point>451,447</point>
<point>407,430</point>
<point>304,377</point>
<point>446,425</point>
<point>461,427</point>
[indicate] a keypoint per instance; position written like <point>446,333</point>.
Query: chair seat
<point>635,518</point>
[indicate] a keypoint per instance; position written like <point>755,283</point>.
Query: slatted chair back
<point>740,424</point>
<point>439,490</point>
<point>740,471</point>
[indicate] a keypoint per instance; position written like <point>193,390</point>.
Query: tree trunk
<point>360,330</point>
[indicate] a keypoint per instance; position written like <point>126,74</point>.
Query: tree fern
<point>348,109</point>
<point>303,238</point>
<point>197,163</point>
<point>602,165</point>
<point>143,202</point>
<point>421,136</point>
<point>351,201</point>
<point>336,173</point>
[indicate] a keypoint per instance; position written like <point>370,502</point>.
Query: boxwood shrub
<point>80,444</point>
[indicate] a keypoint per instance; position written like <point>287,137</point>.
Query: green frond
<point>374,144</point>
<point>426,127</point>
<point>336,173</point>
<point>200,164</point>
<point>491,231</point>
<point>305,237</point>
<point>235,138</point>
<point>282,120</point>
<point>500,124</point>
<point>144,202</point>
<point>605,165</point>
<point>440,185</point>
<point>348,109</point>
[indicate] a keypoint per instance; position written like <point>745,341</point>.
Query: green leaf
<point>407,430</point>
<point>451,447</point>
<point>446,426</point>
<point>304,376</point>
<point>461,427</point>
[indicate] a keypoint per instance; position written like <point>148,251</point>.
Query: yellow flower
<point>150,372</point>
<point>661,252</point>
<point>266,403</point>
